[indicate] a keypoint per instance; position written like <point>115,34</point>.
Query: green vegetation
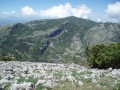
<point>39,87</point>
<point>7,58</point>
<point>117,86</point>
<point>104,56</point>
<point>0,77</point>
<point>25,41</point>
<point>30,79</point>
<point>78,76</point>
<point>7,87</point>
<point>87,86</point>
<point>58,75</point>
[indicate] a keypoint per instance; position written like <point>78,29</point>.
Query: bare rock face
<point>102,34</point>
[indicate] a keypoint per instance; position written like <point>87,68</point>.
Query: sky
<point>97,10</point>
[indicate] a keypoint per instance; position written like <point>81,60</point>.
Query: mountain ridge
<point>64,40</point>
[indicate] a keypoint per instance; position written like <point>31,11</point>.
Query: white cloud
<point>12,12</point>
<point>59,11</point>
<point>27,11</point>
<point>8,13</point>
<point>98,20</point>
<point>113,10</point>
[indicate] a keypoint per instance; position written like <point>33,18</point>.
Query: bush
<point>6,58</point>
<point>104,56</point>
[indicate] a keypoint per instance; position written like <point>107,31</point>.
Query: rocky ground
<point>44,76</point>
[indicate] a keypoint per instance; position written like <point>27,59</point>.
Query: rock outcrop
<point>51,75</point>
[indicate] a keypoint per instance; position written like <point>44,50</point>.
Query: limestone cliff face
<point>102,34</point>
<point>56,40</point>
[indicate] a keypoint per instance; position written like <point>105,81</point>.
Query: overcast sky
<point>98,10</point>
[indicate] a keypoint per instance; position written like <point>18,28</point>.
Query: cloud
<point>27,11</point>
<point>8,13</point>
<point>98,20</point>
<point>59,11</point>
<point>113,10</point>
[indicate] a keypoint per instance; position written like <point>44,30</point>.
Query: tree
<point>104,56</point>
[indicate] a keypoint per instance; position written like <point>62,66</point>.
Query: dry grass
<point>87,86</point>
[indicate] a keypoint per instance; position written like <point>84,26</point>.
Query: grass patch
<point>0,77</point>
<point>39,87</point>
<point>21,79</point>
<point>117,86</point>
<point>79,76</point>
<point>66,86</point>
<point>7,87</point>
<point>88,72</point>
<point>74,73</point>
<point>30,79</point>
<point>103,83</point>
<point>33,80</point>
<point>58,75</point>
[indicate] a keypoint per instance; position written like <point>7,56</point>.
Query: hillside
<point>50,76</point>
<point>55,40</point>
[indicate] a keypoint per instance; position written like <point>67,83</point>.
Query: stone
<point>49,84</point>
<point>23,86</point>
<point>89,87</point>
<point>40,82</point>
<point>109,69</point>
<point>4,81</point>
<point>94,80</point>
<point>44,73</point>
<point>70,78</point>
<point>93,76</point>
<point>114,72</point>
<point>63,78</point>
<point>98,85</point>
<point>80,83</point>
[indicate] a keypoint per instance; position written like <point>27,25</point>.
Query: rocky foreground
<point>44,76</point>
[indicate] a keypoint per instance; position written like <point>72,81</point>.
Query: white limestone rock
<point>114,72</point>
<point>49,83</point>
<point>40,82</point>
<point>23,86</point>
<point>80,83</point>
<point>70,78</point>
<point>63,78</point>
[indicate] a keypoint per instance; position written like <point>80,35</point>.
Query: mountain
<point>12,20</point>
<point>55,40</point>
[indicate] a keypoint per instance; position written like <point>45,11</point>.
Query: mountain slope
<point>55,40</point>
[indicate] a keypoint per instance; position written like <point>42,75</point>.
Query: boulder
<point>93,76</point>
<point>63,78</point>
<point>49,83</point>
<point>109,69</point>
<point>23,86</point>
<point>40,82</point>
<point>94,80</point>
<point>80,83</point>
<point>114,72</point>
<point>70,78</point>
<point>4,81</point>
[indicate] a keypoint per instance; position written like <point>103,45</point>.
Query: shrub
<point>104,56</point>
<point>6,58</point>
